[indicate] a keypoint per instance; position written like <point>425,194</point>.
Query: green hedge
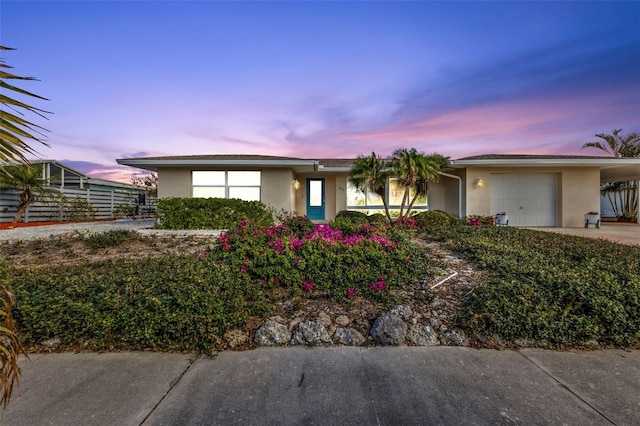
<point>171,303</point>
<point>554,289</point>
<point>208,213</point>
<point>436,222</point>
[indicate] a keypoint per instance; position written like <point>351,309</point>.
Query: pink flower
<point>307,285</point>
<point>352,292</point>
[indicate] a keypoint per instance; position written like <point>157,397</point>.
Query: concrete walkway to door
<point>626,233</point>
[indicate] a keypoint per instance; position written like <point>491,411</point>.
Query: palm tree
<point>10,347</point>
<point>15,131</point>
<point>623,194</point>
<point>27,180</point>
<point>429,169</point>
<point>371,173</point>
<point>414,171</point>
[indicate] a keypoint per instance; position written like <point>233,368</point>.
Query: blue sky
<point>323,79</point>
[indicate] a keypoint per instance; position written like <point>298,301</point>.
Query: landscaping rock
<point>49,343</point>
<point>422,335</point>
<point>342,320</point>
<point>403,311</point>
<point>310,333</point>
<point>435,323</point>
<point>349,337</point>
<point>389,329</point>
<point>272,333</point>
<point>453,338</point>
<point>325,319</point>
<point>235,338</point>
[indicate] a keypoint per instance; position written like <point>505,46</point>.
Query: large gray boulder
<point>389,329</point>
<point>422,335</point>
<point>272,333</point>
<point>311,333</point>
<point>349,337</point>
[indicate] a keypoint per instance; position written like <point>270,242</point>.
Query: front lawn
<point>120,290</point>
<point>552,289</point>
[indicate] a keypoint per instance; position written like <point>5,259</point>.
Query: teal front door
<point>315,198</point>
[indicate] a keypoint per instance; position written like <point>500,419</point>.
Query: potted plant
<point>502,219</point>
<point>592,218</point>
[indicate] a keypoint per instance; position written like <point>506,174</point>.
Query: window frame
<point>226,185</point>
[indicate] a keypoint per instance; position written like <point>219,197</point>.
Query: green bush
<point>436,222</point>
<point>378,219</point>
<point>79,210</point>
<point>323,262</point>
<point>208,213</point>
<point>112,238</point>
<point>552,288</point>
<point>299,225</point>
<point>180,303</point>
<point>353,216</point>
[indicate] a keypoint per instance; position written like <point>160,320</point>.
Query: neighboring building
<point>104,196</point>
<point>534,190</point>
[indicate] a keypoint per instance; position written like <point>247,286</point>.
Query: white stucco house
<point>535,190</point>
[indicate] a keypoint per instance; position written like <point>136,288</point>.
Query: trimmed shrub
<point>378,219</point>
<point>353,216</point>
<point>171,303</point>
<point>323,262</point>
<point>299,225</point>
<point>554,289</point>
<point>208,213</point>
<point>436,222</point>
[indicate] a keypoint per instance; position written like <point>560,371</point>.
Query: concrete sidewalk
<point>330,386</point>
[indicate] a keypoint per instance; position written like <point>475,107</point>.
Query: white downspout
<point>459,191</point>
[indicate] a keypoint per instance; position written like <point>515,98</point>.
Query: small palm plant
<point>371,173</point>
<point>10,347</point>
<point>28,182</point>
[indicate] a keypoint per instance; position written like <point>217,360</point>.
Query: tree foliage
<point>17,133</point>
<point>414,170</point>
<point>27,180</point>
<point>623,196</point>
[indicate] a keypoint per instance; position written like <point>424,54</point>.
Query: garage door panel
<point>528,199</point>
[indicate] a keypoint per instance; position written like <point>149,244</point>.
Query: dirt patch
<point>12,225</point>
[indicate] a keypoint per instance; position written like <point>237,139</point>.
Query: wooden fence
<point>104,202</point>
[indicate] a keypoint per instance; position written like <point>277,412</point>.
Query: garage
<point>528,199</point>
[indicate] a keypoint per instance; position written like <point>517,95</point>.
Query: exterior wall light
<point>478,183</point>
<point>296,184</point>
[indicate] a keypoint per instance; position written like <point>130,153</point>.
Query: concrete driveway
<point>619,232</point>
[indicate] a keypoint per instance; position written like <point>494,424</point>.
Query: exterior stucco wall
<point>277,189</point>
<point>578,191</point>
<point>443,195</point>
<point>335,194</point>
<point>174,182</point>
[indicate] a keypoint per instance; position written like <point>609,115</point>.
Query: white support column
<point>61,178</point>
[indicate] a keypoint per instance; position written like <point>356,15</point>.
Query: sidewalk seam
<point>371,394</point>
<point>567,388</point>
<point>171,386</point>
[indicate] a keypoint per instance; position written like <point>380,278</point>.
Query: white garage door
<point>528,199</point>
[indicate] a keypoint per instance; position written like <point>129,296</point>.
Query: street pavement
<point>330,386</point>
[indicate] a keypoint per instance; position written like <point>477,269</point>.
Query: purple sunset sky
<point>323,79</point>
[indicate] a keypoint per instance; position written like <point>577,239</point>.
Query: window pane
<point>244,178</point>
<point>246,194</point>
<point>208,192</point>
<point>374,199</point>
<point>354,197</point>
<point>315,193</point>
<point>208,178</point>
<point>396,192</point>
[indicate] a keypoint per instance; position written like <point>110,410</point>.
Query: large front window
<point>369,200</point>
<point>244,185</point>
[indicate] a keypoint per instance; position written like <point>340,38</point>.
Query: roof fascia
<point>547,162</point>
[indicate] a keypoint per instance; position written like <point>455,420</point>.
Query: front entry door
<point>315,199</point>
